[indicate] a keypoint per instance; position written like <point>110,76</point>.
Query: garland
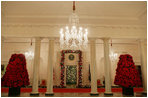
<point>63,67</point>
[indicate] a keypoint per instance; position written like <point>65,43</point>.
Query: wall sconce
<point>113,56</point>
<point>29,55</point>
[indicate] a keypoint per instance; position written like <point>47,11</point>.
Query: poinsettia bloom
<point>126,74</point>
<point>16,73</point>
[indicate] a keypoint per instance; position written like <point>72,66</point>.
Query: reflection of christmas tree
<point>16,73</point>
<point>126,73</point>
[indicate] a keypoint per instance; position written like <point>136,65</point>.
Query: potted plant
<point>16,75</point>
<point>126,75</point>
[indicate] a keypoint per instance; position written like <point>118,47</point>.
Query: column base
<point>49,94</point>
<point>94,93</point>
<point>108,93</point>
<point>34,94</point>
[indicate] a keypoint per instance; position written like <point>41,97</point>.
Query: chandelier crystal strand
<point>72,36</point>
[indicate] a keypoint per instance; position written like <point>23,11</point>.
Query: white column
<point>93,67</point>
<point>50,68</point>
<point>143,55</point>
<point>107,67</point>
<point>2,41</point>
<point>36,66</point>
<point>3,52</point>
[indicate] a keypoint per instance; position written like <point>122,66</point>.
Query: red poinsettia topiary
<point>16,73</point>
<point>126,73</point>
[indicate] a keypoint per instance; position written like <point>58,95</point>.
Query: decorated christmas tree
<point>16,73</point>
<point>126,73</point>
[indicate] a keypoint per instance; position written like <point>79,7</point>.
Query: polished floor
<point>75,95</point>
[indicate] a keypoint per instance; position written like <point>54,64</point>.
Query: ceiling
<point>90,12</point>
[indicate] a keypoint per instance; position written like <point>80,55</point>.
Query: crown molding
<point>83,25</point>
<point>142,12</point>
<point>53,31</point>
<point>67,16</point>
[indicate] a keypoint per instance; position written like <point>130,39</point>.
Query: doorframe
<point>79,64</point>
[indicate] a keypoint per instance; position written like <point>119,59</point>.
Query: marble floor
<point>74,95</point>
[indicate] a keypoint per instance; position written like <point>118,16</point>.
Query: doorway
<point>71,76</point>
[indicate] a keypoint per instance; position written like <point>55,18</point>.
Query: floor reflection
<point>75,95</point>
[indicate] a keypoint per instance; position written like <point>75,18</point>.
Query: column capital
<point>92,39</point>
<point>38,38</point>
<point>49,38</point>
<point>105,38</point>
<point>142,40</point>
<point>2,38</point>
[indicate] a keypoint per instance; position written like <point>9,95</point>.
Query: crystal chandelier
<point>73,36</point>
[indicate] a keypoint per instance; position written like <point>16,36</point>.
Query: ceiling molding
<point>67,16</point>
<point>53,31</point>
<point>3,9</point>
<point>84,25</point>
<point>142,14</point>
<point>46,40</point>
<point>46,20</point>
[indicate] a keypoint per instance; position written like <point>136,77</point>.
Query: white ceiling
<point>90,12</point>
